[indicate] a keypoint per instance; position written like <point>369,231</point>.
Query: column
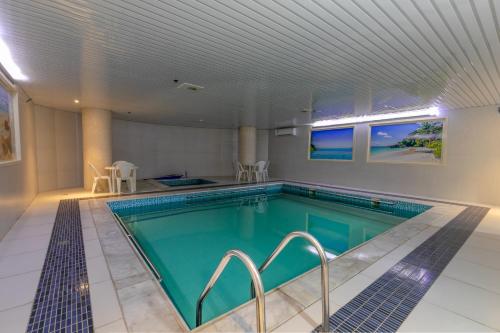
<point>247,144</point>
<point>96,132</point>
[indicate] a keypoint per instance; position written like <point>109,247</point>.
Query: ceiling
<point>260,62</point>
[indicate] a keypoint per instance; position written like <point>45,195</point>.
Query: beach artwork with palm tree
<point>331,144</point>
<point>411,142</point>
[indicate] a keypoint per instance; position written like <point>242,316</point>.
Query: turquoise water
<point>332,154</point>
<point>186,243</point>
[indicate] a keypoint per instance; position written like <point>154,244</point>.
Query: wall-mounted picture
<point>409,142</point>
<point>6,141</point>
<point>332,144</point>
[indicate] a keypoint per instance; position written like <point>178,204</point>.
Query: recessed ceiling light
<point>76,101</point>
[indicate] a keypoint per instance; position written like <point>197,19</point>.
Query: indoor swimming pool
<point>185,236</point>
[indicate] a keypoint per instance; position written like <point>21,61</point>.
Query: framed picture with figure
<point>9,127</point>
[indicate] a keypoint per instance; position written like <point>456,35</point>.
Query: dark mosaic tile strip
<point>387,302</point>
<point>62,300</point>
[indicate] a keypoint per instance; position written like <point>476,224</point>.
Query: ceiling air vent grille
<point>189,86</point>
<point>285,131</point>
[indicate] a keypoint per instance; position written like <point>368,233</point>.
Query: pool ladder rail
<point>256,283</point>
<point>257,289</point>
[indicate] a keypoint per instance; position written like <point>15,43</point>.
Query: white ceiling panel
<point>261,62</point>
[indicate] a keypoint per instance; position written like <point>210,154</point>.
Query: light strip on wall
<point>432,111</point>
<point>8,63</point>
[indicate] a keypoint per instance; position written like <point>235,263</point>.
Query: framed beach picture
<point>420,142</point>
<point>9,129</point>
<point>332,144</point>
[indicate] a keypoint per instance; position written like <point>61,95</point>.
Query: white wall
<point>59,148</point>
<point>18,181</point>
<point>262,145</point>
<point>159,150</point>
<point>471,171</point>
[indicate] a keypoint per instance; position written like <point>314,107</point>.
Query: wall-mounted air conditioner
<point>285,131</point>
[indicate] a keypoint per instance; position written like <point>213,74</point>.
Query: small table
<point>112,169</point>
<point>250,169</point>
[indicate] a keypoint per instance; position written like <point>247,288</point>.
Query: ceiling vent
<point>285,131</point>
<point>189,86</point>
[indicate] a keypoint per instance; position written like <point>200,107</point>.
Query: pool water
<point>185,243</point>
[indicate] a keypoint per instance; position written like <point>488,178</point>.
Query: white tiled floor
<point>105,307</point>
<point>427,317</point>
<point>466,296</point>
<point>106,310</point>
<point>18,289</point>
<point>477,304</point>
<point>22,254</point>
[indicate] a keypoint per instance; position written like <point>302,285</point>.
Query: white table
<point>250,169</point>
<point>112,170</point>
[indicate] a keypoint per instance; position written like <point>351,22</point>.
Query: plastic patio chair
<point>98,176</point>
<point>236,169</point>
<point>259,171</point>
<point>125,171</point>
<point>242,173</point>
<point>266,171</point>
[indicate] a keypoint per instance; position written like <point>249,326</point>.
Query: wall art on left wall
<point>6,133</point>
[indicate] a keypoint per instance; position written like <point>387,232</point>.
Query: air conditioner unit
<point>285,131</point>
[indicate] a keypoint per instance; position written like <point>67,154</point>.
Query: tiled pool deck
<point>125,296</point>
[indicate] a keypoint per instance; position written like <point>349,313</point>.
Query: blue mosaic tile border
<point>395,207</point>
<point>387,302</point>
<point>62,300</point>
<point>116,206</point>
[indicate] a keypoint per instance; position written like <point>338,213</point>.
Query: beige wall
<point>59,148</point>
<point>262,145</point>
<point>159,150</point>
<point>18,181</point>
<point>471,171</point>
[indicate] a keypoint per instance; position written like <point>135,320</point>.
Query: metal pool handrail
<point>258,289</point>
<point>137,246</point>
<point>324,270</point>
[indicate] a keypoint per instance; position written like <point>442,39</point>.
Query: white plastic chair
<point>97,177</point>
<point>259,171</point>
<point>236,169</point>
<point>125,171</point>
<point>266,171</point>
<point>242,173</point>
